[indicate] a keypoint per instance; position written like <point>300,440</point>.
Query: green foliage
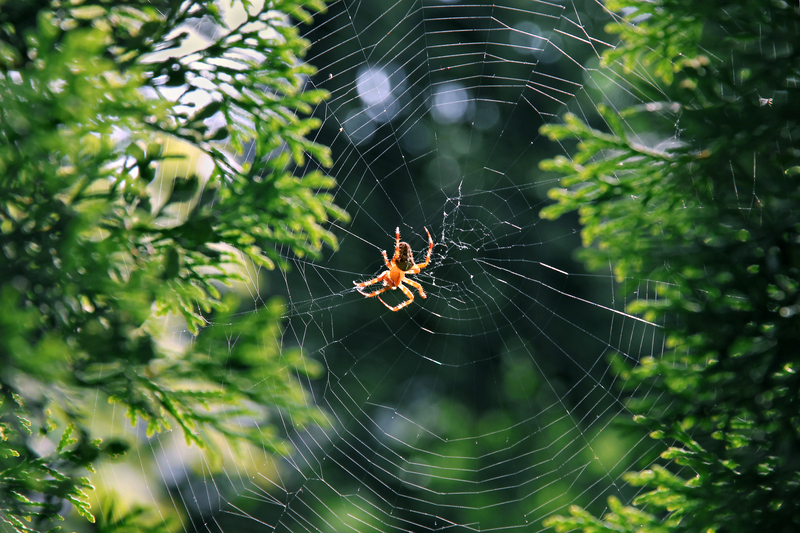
<point>664,37</point>
<point>620,519</point>
<point>714,218</point>
<point>104,221</point>
<point>136,519</point>
<point>56,476</point>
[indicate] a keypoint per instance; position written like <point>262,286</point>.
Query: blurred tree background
<point>124,200</point>
<point>715,218</point>
<point>159,158</point>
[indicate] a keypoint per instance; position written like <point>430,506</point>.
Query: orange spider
<point>401,265</point>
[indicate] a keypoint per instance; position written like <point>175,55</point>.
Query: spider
<point>401,265</point>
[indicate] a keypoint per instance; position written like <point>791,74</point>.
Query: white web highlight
<point>490,404</point>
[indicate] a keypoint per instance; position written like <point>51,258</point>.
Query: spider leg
<point>416,286</point>
<point>396,247</point>
<point>417,267</point>
<point>427,257</point>
<point>386,259</point>
<point>376,293</point>
<point>407,292</point>
<point>373,281</point>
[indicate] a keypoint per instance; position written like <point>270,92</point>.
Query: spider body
<point>401,265</point>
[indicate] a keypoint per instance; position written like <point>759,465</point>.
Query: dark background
<point>490,403</point>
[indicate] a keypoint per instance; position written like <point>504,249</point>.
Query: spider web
<point>490,404</point>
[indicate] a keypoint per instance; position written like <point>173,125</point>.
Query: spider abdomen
<point>405,258</point>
